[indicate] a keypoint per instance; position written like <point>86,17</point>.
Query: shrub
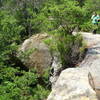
<point>21,85</point>
<point>71,49</point>
<point>87,26</point>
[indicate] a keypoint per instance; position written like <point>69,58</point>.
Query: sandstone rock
<point>39,56</point>
<point>73,84</point>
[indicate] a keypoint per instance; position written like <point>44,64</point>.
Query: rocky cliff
<point>81,83</point>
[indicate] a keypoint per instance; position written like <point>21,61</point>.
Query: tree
<point>92,5</point>
<point>65,15</point>
<point>20,19</point>
<point>81,2</point>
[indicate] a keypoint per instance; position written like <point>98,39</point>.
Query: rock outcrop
<point>34,52</point>
<point>80,83</point>
<point>73,84</point>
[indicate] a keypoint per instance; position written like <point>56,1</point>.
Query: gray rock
<point>73,84</point>
<point>57,68</point>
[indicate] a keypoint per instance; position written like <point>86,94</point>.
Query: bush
<point>71,49</point>
<point>87,26</point>
<point>98,30</point>
<point>21,85</point>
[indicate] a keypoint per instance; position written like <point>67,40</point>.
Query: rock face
<point>57,68</point>
<point>73,84</point>
<point>92,59</point>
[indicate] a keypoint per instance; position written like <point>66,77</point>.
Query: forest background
<point>19,20</point>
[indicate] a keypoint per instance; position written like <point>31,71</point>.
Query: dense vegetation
<point>19,19</point>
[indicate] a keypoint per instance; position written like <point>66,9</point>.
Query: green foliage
<point>9,35</point>
<point>93,5</point>
<point>17,22</point>
<point>87,26</point>
<point>90,7</point>
<point>71,49</point>
<point>19,85</point>
<point>32,22</point>
<point>40,93</point>
<point>51,43</point>
<point>46,76</point>
<point>81,2</point>
<point>98,29</point>
<point>65,15</point>
<point>20,19</point>
<point>25,55</point>
<point>9,28</point>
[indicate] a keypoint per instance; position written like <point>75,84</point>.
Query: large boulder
<point>35,53</point>
<point>73,84</point>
